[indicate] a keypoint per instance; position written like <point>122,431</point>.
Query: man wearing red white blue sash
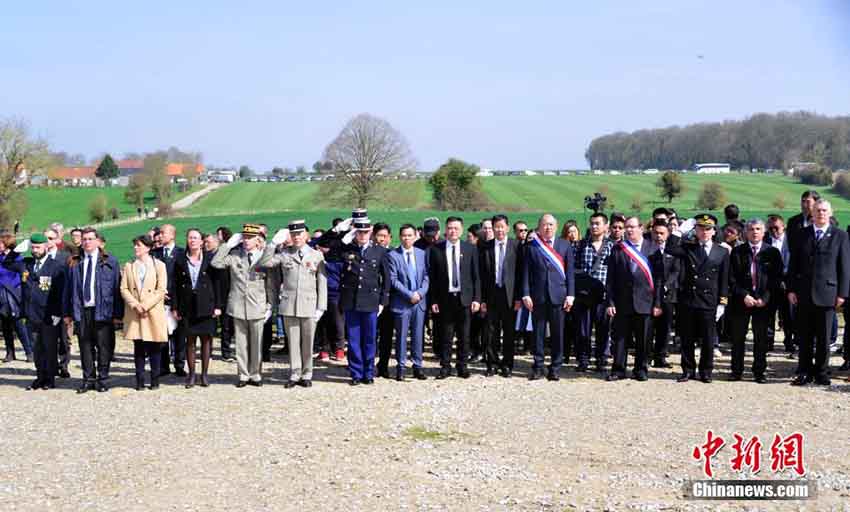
<point>633,299</point>
<point>548,289</point>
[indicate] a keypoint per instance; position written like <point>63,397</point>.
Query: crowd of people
<point>480,295</point>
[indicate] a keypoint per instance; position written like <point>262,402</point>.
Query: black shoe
<point>154,384</point>
<point>505,372</point>
<point>463,373</point>
<point>705,379</point>
<point>140,384</point>
<point>535,375</point>
<point>641,377</point>
<point>823,381</point>
<point>180,372</point>
<point>354,382</point>
<point>9,357</point>
<point>305,383</point>
<point>399,374</point>
<point>290,384</point>
<point>761,379</point>
<point>85,388</point>
<point>844,367</point>
<point>418,374</point>
<point>29,358</point>
<point>48,385</point>
<point>369,381</point>
<point>553,375</point>
<point>36,384</point>
<point>241,383</point>
<point>444,373</point>
<point>735,377</point>
<point>256,383</point>
<point>685,377</point>
<point>489,372</point>
<point>801,380</point>
<point>190,381</point>
<point>612,377</point>
<point>64,374</point>
<point>101,387</point>
<point>582,367</point>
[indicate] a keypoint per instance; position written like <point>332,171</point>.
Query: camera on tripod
<point>595,202</point>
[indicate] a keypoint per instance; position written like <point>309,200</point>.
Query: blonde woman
<point>143,287</point>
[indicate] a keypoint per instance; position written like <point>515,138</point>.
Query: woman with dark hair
<point>12,270</point>
<point>144,283</point>
<point>570,232</point>
<point>198,302</point>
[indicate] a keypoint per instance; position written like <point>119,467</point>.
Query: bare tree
<point>366,150</point>
<point>19,151</point>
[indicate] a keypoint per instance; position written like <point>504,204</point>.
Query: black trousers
<point>63,351</point>
<point>845,353</point>
<point>226,324</point>
<point>661,326</point>
<point>151,351</point>
<point>95,340</point>
<point>175,347</point>
<point>477,333</point>
<point>499,331</point>
<point>553,315</point>
<point>331,329</point>
<point>268,341</point>
<point>738,322</point>
<point>386,340</point>
<point>779,305</point>
<point>45,342</point>
<point>636,327</point>
<point>454,320</point>
<point>814,329</point>
<point>699,324</point>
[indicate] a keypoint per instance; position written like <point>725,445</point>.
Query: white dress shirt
<point>450,264</point>
<point>94,254</point>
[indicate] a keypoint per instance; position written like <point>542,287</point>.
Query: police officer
<point>303,297</point>
<point>43,287</point>
<point>705,268</point>
<point>247,302</point>
<point>364,291</point>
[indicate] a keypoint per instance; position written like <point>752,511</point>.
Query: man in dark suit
<point>663,215</point>
<point>778,239</point>
<point>92,300</point>
<point>703,295</point>
<point>633,299</point>
<point>498,294</point>
<point>42,292</point>
<point>408,274</point>
<point>454,294</point>
<point>669,268</point>
<point>168,253</point>
<point>819,281</point>
<point>57,252</point>
<point>548,289</point>
<point>799,222</point>
<point>755,273</point>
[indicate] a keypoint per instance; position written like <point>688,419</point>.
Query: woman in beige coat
<point>143,286</point>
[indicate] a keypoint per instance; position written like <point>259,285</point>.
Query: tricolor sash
<point>639,259</point>
<point>554,258</point>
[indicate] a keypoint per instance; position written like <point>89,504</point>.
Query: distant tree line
<point>761,141</point>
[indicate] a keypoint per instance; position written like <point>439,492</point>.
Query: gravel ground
<point>480,444</point>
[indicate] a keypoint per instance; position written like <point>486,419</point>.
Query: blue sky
<point>503,84</point>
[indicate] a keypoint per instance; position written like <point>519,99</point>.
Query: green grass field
<point>70,205</point>
<point>410,201</point>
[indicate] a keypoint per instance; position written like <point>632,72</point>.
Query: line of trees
<point>760,141</point>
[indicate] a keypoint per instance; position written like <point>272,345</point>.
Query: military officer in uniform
<point>704,295</point>
<point>303,297</point>
<point>42,285</point>
<point>364,292</point>
<point>247,302</point>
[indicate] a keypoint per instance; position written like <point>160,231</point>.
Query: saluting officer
<point>247,302</point>
<point>705,283</point>
<point>303,297</point>
<point>43,287</point>
<point>364,291</point>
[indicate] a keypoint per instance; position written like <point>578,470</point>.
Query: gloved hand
<point>281,237</point>
<point>720,310</point>
<point>349,237</point>
<point>687,226</point>
<point>234,240</point>
<point>23,247</point>
<point>319,313</point>
<point>56,320</point>
<point>343,226</point>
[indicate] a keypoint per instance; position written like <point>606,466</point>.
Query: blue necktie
<point>87,279</point>
<point>411,272</point>
<point>818,234</point>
